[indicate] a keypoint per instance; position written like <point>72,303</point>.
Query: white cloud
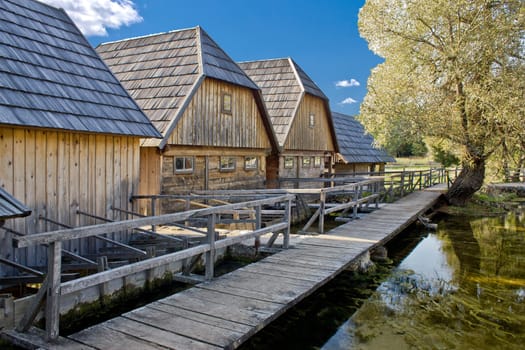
<point>347,83</point>
<point>93,17</point>
<point>348,101</point>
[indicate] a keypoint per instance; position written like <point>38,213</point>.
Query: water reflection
<point>462,287</point>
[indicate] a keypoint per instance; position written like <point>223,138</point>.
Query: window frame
<point>286,162</point>
<point>184,170</point>
<point>226,103</point>
<point>306,162</point>
<point>227,168</point>
<point>248,167</point>
<point>318,161</point>
<point>311,120</point>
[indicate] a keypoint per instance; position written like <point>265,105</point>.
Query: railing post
<point>377,187</point>
<point>430,181</point>
<point>54,269</point>
<point>153,210</point>
<point>357,195</point>
<point>321,211</point>
<point>288,218</point>
<point>402,193</point>
<point>210,255</point>
<point>258,224</point>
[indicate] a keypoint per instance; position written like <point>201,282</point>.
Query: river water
<point>460,287</point>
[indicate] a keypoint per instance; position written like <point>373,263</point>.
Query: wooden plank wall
<point>57,173</point>
<point>304,137</point>
<point>298,171</point>
<point>204,124</point>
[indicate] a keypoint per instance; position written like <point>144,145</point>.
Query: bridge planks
<point>226,311</point>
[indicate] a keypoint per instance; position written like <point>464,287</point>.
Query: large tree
<point>452,70</point>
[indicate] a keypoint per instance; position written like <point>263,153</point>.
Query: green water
<point>460,287</point>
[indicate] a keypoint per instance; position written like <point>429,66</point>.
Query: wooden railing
<point>397,184</point>
<point>353,195</point>
<point>52,289</point>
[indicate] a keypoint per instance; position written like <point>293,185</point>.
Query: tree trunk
<point>468,182</point>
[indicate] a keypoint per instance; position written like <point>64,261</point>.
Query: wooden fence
<point>398,184</point>
<point>52,289</point>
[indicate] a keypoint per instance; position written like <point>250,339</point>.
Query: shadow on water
<point>461,287</point>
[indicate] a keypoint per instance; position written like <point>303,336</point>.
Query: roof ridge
<point>198,44</point>
<point>148,35</point>
<point>296,73</point>
<point>265,60</point>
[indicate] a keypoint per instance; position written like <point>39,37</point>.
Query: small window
<point>317,162</point>
<point>226,103</point>
<point>227,164</point>
<point>250,163</point>
<point>288,162</point>
<point>311,121</point>
<point>307,162</point>
<point>183,165</point>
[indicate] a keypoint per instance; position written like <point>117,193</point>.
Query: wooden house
<point>300,116</point>
<point>69,132</point>
<point>357,152</point>
<point>216,131</point>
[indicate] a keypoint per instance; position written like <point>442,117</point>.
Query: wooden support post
<point>187,206</point>
<point>153,211</point>
<point>258,224</point>
<point>53,290</point>
<point>402,193</point>
<point>210,255</point>
<point>322,212</point>
<point>430,181</point>
<point>102,262</point>
<point>356,199</point>
<point>287,218</point>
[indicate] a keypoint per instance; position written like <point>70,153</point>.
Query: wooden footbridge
<point>225,311</point>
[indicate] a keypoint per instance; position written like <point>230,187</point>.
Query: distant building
<point>216,131</point>
<point>300,116</point>
<point>357,153</point>
<point>69,131</point>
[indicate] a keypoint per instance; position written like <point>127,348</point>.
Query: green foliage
<point>454,70</point>
<point>445,157</point>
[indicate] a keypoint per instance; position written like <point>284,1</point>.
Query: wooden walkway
<point>226,311</point>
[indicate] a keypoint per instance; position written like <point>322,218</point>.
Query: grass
<point>412,163</point>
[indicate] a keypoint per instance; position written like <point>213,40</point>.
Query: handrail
<point>92,230</point>
<point>54,289</point>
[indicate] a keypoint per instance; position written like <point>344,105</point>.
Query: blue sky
<point>320,35</point>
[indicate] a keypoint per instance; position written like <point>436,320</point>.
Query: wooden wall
<point>358,167</point>
<point>299,171</point>
<point>207,174</point>
<point>304,137</point>
<point>204,124</point>
<point>56,173</point>
<point>206,133</point>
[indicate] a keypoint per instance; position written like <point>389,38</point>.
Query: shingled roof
<point>163,71</point>
<point>355,145</point>
<point>283,84</point>
<point>10,207</point>
<point>51,77</point>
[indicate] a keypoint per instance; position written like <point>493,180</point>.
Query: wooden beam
<point>122,271</point>
<point>210,254</point>
<point>34,308</point>
<point>93,230</point>
<point>54,269</point>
